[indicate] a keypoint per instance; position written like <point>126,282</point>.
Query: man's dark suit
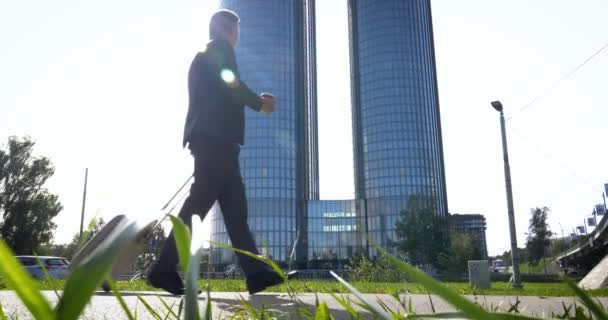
<point>214,131</point>
<point>216,107</point>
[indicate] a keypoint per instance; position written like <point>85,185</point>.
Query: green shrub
<point>360,268</point>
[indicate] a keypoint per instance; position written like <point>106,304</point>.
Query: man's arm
<point>242,94</point>
<point>230,83</point>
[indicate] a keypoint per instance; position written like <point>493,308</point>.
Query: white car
<point>57,267</point>
<point>499,266</point>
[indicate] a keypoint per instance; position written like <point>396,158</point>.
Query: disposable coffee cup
<point>267,95</point>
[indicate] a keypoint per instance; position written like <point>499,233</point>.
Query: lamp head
<point>497,105</point>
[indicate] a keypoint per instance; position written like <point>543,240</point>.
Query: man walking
<point>214,132</point>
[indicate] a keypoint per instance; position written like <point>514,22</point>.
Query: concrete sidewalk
<point>105,306</point>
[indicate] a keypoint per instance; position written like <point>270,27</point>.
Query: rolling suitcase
<point>134,249</point>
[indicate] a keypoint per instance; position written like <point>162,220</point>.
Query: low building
<point>473,224</point>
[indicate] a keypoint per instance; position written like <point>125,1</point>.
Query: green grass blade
<point>358,294</point>
<point>169,308</point>
<point>354,314</point>
<point>446,315</point>
<point>180,309</point>
<point>269,262</point>
<point>135,314</point>
<point>410,306</point>
<point>393,313</point>
<point>323,313</point>
<point>208,308</point>
<point>170,312</point>
<point>511,316</point>
<point>253,313</point>
<point>191,303</point>
<point>194,263</point>
<point>586,300</point>
<point>92,270</point>
<point>471,310</point>
<point>120,299</point>
<point>149,308</point>
<point>368,308</point>
<point>182,241</point>
<point>461,315</point>
<point>18,279</point>
<point>2,314</point>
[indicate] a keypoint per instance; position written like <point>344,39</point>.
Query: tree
<point>522,256</point>
<point>559,246</point>
<point>423,234</point>
<point>26,207</point>
<point>69,250</point>
<point>463,247</point>
<point>539,235</point>
<point>79,240</point>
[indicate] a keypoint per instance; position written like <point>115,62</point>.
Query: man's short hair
<point>222,23</point>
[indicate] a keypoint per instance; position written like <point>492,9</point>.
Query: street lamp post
<point>516,277</point>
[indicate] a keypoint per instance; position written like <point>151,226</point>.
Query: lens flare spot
<point>228,76</point>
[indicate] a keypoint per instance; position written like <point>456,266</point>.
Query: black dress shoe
<point>168,281</point>
<point>259,281</point>
<point>292,274</point>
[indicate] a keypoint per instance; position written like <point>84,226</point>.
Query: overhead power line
<point>568,75</point>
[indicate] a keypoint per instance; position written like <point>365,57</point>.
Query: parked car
<point>57,267</point>
<point>499,266</point>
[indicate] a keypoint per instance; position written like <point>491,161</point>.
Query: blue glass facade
<point>279,158</point>
<point>396,123</point>
<point>336,231</point>
<point>396,130</point>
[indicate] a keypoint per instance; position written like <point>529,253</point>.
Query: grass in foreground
<point>331,286</point>
<point>85,278</point>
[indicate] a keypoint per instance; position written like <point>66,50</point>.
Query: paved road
<point>105,306</point>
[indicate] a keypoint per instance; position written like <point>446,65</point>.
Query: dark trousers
<point>217,176</point>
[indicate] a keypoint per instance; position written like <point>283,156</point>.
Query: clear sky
<point>103,85</point>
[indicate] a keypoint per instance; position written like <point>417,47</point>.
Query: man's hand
<point>268,103</point>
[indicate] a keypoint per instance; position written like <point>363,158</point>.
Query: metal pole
<point>585,226</point>
<point>339,250</point>
<point>516,278</point>
<point>84,200</point>
<point>595,216</point>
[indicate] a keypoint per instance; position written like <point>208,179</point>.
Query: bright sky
<point>103,85</point>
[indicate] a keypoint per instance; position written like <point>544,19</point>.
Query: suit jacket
<point>217,96</point>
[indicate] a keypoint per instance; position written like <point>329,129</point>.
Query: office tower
<point>396,123</point>
<point>276,53</point>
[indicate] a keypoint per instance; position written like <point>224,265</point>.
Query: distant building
<point>473,224</point>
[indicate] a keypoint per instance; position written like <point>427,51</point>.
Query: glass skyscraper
<point>396,130</point>
<point>396,124</point>
<point>279,158</point>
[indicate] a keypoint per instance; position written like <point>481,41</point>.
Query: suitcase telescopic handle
<point>176,193</point>
<point>171,200</point>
